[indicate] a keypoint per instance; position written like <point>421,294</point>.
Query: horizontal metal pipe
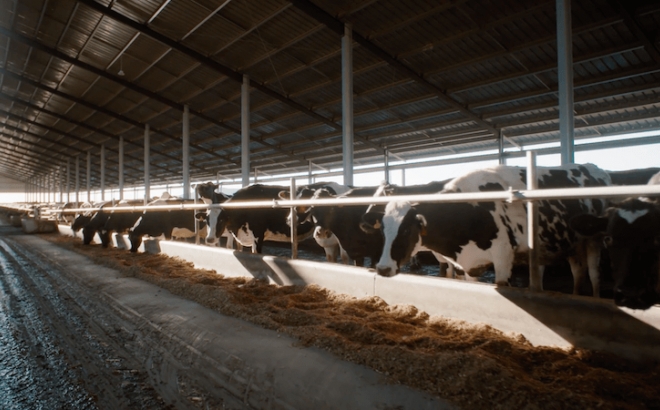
<point>509,196</point>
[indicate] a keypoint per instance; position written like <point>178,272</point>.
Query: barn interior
<point>108,96</point>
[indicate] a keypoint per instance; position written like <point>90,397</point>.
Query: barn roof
<point>430,78</point>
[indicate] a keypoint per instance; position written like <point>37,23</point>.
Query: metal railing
<point>529,195</point>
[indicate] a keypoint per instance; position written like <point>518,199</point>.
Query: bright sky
<point>613,159</point>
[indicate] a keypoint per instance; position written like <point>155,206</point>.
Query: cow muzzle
<point>634,299</point>
<point>211,240</point>
<point>385,270</point>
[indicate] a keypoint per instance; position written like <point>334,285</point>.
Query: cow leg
<point>331,253</point>
<point>578,269</point>
<point>593,262</point>
<point>446,268</point>
<point>503,265</point>
<point>344,256</point>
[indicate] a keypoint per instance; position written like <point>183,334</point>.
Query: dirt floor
<point>471,365</point>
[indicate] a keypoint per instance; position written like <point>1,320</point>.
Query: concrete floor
<point>138,346</point>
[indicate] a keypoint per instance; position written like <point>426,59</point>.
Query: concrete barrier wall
<point>545,319</point>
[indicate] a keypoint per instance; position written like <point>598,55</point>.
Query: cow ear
<point>588,224</point>
<point>200,216</point>
<point>422,223</point>
<point>284,195</point>
<point>371,222</point>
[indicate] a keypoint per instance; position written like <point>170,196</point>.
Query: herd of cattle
<point>466,238</point>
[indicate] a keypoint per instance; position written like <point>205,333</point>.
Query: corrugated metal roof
<point>495,58</point>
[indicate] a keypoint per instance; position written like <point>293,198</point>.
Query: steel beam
<point>347,102</point>
<point>565,85</point>
<point>245,132</point>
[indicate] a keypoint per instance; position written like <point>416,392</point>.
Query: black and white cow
<point>633,176</point>
<point>630,231</point>
<point>209,193</point>
<point>119,222</point>
<point>323,237</point>
<point>174,223</point>
<point>473,236</point>
<point>433,187</point>
<point>344,223</point>
<point>81,219</point>
<point>252,226</point>
<point>96,223</point>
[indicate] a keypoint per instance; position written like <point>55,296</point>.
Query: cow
<point>96,222</point>
<point>344,223</point>
<point>82,219</point>
<point>633,176</point>
<point>209,194</point>
<point>119,222</point>
<point>174,223</point>
<point>474,235</point>
<point>252,226</point>
<point>323,237</point>
<point>630,232</point>
<point>433,187</point>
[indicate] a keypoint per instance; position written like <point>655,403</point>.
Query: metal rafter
<point>222,69</point>
<point>94,130</point>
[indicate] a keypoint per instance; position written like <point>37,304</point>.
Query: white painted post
<point>309,172</point>
<point>500,148</point>
<point>403,177</point>
<point>147,193</point>
<point>186,152</point>
<point>77,180</point>
<point>121,167</point>
<point>387,165</point>
<point>294,223</point>
<point>245,131</point>
<point>89,177</point>
<point>535,276</point>
<point>68,180</point>
<point>347,102</point>
<point>103,172</point>
<point>565,86</point>
<point>59,177</point>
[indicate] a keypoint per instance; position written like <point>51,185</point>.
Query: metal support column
<point>77,181</point>
<point>309,172</point>
<point>68,180</point>
<point>89,177</point>
<point>565,86</point>
<point>147,194</point>
<point>121,167</point>
<point>535,276</point>
<point>347,102</point>
<point>60,176</point>
<point>294,222</point>
<point>387,165</point>
<point>102,172</point>
<point>186,152</point>
<point>500,148</point>
<point>245,131</point>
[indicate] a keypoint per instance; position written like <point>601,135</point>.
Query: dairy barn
<point>329,204</point>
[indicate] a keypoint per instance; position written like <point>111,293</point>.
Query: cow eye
<point>607,241</point>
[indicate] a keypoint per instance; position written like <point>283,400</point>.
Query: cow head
<point>402,229</point>
<point>303,213</point>
<point>80,222</point>
<point>631,236</point>
<point>216,222</point>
